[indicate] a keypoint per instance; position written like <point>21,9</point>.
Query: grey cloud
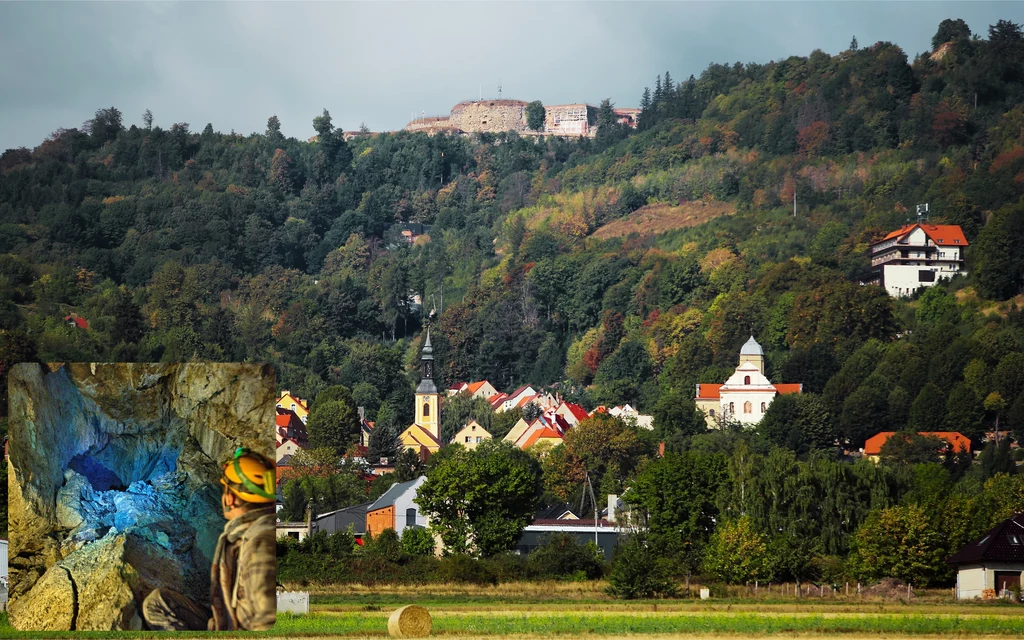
<point>235,64</point>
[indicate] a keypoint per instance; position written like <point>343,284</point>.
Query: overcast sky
<point>236,63</point>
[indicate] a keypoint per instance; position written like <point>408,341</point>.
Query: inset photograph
<point>142,496</point>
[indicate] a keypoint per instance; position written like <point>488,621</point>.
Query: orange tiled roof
<point>577,411</point>
<point>789,387</point>
<point>475,386</point>
<point>707,391</point>
<point>940,234</point>
<point>546,432</point>
<point>958,441</point>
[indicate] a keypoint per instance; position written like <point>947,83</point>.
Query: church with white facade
<point>746,395</point>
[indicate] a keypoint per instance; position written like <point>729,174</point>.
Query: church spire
<point>426,367</point>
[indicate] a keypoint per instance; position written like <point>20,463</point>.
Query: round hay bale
<point>410,621</point>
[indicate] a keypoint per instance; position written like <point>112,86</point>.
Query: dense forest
<point>173,244</point>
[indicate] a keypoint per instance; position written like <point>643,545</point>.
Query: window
<point>410,517</point>
<point>1014,539</point>
<point>479,439</point>
<point>746,380</point>
<point>467,438</point>
<point>293,406</point>
<point>711,412</point>
<point>747,407</point>
<point>426,409</point>
<point>732,407</point>
<point>764,407</point>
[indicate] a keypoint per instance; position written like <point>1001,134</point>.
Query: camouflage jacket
<point>243,576</point>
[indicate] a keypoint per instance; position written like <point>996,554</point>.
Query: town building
<point>549,429</point>
<point>480,389</point>
<point>395,509</point>
<point>424,435</point>
<point>585,530</point>
<point>471,435</point>
<point>571,413</point>
<point>958,443</point>
<point>295,404</point>
<point>517,398</point>
<point>746,395</point>
<point>917,255</point>
<point>992,566</point>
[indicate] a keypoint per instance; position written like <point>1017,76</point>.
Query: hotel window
<point>747,407</point>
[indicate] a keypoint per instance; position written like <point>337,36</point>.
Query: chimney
<point>613,502</point>
<point>661,449</point>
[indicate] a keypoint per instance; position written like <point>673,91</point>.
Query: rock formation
<point>113,483</point>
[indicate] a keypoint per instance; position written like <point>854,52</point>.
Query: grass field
<point>570,610</point>
<point>654,219</point>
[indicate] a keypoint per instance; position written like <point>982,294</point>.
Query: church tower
<point>753,353</point>
<point>427,398</point>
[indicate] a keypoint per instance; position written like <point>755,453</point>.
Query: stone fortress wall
<point>496,116</point>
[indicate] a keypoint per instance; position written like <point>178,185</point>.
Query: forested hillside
<point>173,244</point>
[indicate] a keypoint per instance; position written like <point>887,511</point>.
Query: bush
<point>508,566</point>
<point>463,568</point>
<point>316,543</point>
<point>341,543</point>
<point>561,556</point>
<point>385,546</point>
<point>638,573</point>
<point>417,541</point>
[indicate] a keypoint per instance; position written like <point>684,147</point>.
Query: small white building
<point>917,255</point>
<point>995,562</point>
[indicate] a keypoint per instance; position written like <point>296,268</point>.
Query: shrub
<point>385,546</point>
<point>561,556</point>
<point>417,541</point>
<point>638,573</point>
<point>341,543</point>
<point>508,566</point>
<point>463,568</point>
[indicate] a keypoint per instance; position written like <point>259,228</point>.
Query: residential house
<point>995,562</point>
<point>571,413</point>
<point>604,532</point>
<point>516,398</point>
<point>471,435</point>
<point>917,255</point>
<point>630,414</point>
<point>424,435</point>
<point>365,427</point>
<point>958,443</point>
<point>746,395</point>
<point>288,426</point>
<point>395,509</point>
<point>286,449</point>
<point>76,321</point>
<point>497,401</point>
<point>294,403</point>
<point>480,389</point>
<point>548,428</point>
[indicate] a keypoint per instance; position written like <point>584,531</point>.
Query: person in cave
<point>242,586</point>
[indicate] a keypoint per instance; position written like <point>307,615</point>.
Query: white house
<point>746,395</point>
<point>917,255</point>
<point>395,509</point>
<point>995,562</point>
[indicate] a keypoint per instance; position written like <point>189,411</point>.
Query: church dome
<point>751,348</point>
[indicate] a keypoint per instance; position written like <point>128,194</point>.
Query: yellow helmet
<point>250,476</point>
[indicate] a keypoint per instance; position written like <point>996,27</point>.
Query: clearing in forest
<point>655,219</point>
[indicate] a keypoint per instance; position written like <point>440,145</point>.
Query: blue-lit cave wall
<point>115,488</point>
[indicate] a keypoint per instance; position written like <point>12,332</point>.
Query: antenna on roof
<point>922,212</point>
<point>499,88</point>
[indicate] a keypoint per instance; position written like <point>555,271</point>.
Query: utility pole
<point>794,199</point>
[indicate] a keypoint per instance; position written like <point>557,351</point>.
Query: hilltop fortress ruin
<point>496,116</point>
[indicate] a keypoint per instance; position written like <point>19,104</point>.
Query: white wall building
<point>917,255</point>
<point>994,563</point>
